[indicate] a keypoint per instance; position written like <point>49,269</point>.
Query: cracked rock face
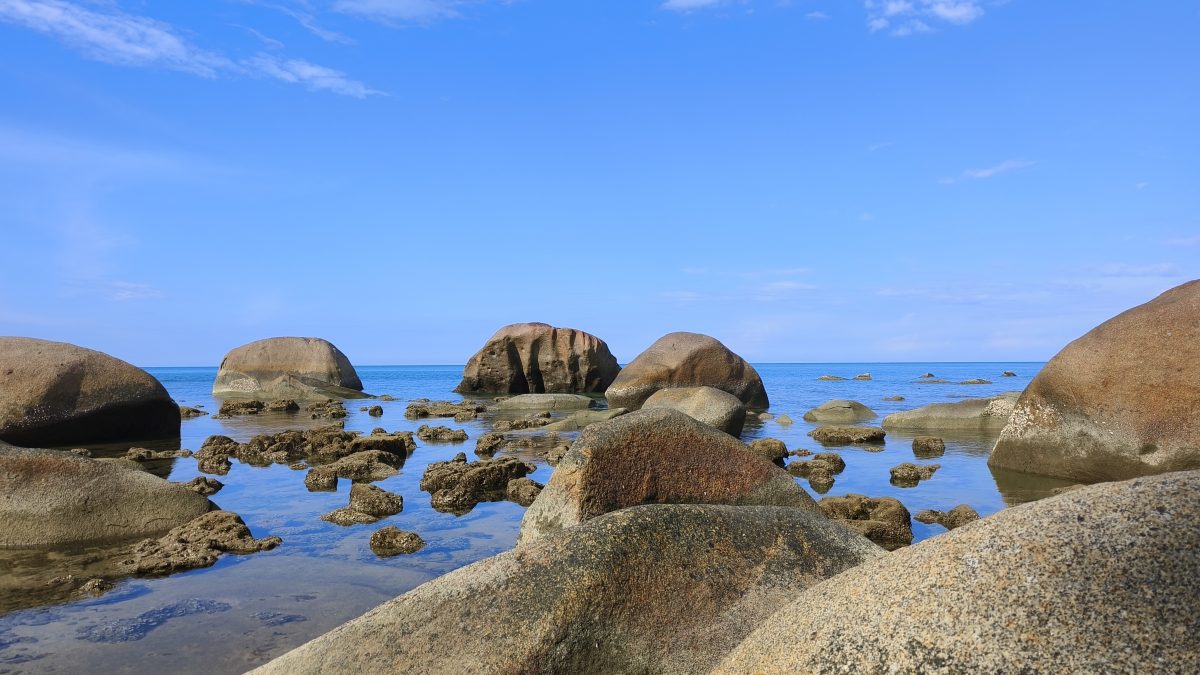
<point>1118,402</point>
<point>535,358</point>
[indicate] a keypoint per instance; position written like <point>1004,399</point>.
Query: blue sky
<point>806,180</point>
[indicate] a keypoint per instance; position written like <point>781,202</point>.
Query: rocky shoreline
<point>651,479</point>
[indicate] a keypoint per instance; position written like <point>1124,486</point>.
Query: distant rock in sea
<point>537,358</point>
<point>687,360</point>
<point>300,368</point>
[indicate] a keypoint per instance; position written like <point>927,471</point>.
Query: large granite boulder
<point>714,407</point>
<point>840,411</point>
<point>53,393</point>
<point>661,588</point>
<point>1118,402</point>
<point>656,456</point>
<point>287,368</point>
<point>1105,579</point>
<point>536,358</point>
<point>53,498</point>
<point>686,360</point>
<point>987,415</point>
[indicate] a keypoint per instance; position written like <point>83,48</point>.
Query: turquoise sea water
<point>247,609</point>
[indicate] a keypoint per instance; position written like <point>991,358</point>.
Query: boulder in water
<point>534,358</point>
<point>686,360</point>
<point>287,368</point>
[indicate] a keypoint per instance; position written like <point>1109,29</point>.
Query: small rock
<point>236,408</point>
<point>863,376</point>
<point>893,398</point>
<point>976,380</point>
<point>195,544</point>
<point>283,405</point>
<point>831,378</point>
<point>883,520</point>
<point>82,452</point>
<point>441,434</point>
<point>425,408</point>
<point>928,376</point>
<point>375,501</point>
<point>773,449</point>
<point>387,397</point>
<point>347,516</point>
<point>523,491</point>
<point>391,540</point>
<point>327,410</point>
<point>765,416</point>
<point>1008,373</point>
<point>955,517</point>
<point>187,412</point>
<point>489,443</point>
<point>96,587</point>
<point>928,446</point>
<point>784,420</point>
<point>375,411</point>
<point>204,485</point>
<point>909,474</point>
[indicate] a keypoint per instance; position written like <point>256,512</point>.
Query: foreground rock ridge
<point>686,360</point>
<point>537,358</point>
<point>301,368</point>
<point>658,588</point>
<point>54,393</point>
<point>656,456</point>
<point>1101,579</point>
<point>1119,402</point>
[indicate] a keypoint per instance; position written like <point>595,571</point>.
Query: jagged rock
<point>955,517</point>
<point>188,412</point>
<point>523,490</point>
<point>648,589</point>
<point>460,411</point>
<point>375,501</point>
<point>840,411</point>
<point>928,446</point>
<point>456,486</point>
<point>976,380</point>
<point>347,516</point>
<point>863,376</point>
<point>204,486</point>
<point>842,435</point>
<point>538,358</point>
<point>195,544</point>
<point>367,466</point>
<point>883,520</point>
<point>655,456</point>
<point>441,434</point>
<point>1008,373</point>
<point>831,378</point>
<point>327,410</point>
<point>909,474</point>
<point>391,540</point>
<point>488,444</point>
<point>54,394</point>
<point>686,360</point>
<point>287,368</point>
<point>283,405</point>
<point>239,408</point>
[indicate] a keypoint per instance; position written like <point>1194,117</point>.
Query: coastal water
<point>247,609</point>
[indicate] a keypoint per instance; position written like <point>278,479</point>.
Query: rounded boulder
<point>687,360</point>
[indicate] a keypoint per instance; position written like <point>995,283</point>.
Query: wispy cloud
<point>1193,240</point>
<point>114,290</point>
<point>392,11</point>
<point>908,17</point>
<point>816,16</point>
<point>305,18</point>
<point>107,34</point>
<point>989,172</point>
<point>874,147</point>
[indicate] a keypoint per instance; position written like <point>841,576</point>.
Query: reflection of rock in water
<point>1017,488</point>
<point>136,628</point>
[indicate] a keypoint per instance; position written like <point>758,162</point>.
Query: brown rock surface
<point>883,520</point>
<point>686,360</point>
<point>533,358</point>
<point>287,368</point>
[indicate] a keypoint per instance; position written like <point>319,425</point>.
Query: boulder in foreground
<point>1102,579</point>
<point>655,456</point>
<point>686,360</point>
<point>54,393</point>
<point>1118,402</point>
<point>300,368</point>
<point>646,589</point>
<point>52,498</point>
<point>716,408</point>
<point>535,358</point>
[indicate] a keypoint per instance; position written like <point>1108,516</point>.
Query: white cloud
<point>690,5</point>
<point>907,17</point>
<point>989,172</point>
<point>112,36</point>
<point>816,16</point>
<point>879,146</point>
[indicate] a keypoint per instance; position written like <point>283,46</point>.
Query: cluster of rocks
<point>819,470</point>
<point>325,444</point>
<point>456,486</point>
<point>461,411</point>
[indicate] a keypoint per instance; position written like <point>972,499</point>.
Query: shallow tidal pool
<point>248,609</point>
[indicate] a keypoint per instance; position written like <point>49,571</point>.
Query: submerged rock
<point>841,435</point>
<point>955,517</point>
<point>928,446</point>
<point>54,393</point>
<point>525,358</point>
<point>576,421</point>
<point>239,408</point>
<point>976,415</point>
<point>391,541</point>
<point>546,402</point>
<point>883,520</point>
<point>367,466</point>
<point>53,498</point>
<point>831,378</point>
<point>327,410</point>
<point>1118,402</point>
<point>686,360</point>
<point>287,368</point>
<point>976,380</point>
<point>188,412</point>
<point>840,411</point>
<point>195,544</point>
<point>655,456</point>
<point>460,411</point>
<point>716,408</point>
<point>660,588</point>
<point>1101,580</point>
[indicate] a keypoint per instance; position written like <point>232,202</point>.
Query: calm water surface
<point>247,609</point>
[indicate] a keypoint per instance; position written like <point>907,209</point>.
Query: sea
<point>245,610</point>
